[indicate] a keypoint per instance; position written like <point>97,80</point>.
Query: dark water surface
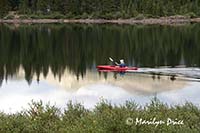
<point>57,63</point>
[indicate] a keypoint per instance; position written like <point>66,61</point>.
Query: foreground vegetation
<point>107,9</point>
<point>104,118</point>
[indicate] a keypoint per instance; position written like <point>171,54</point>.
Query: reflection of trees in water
<point>77,47</point>
<point>1,75</point>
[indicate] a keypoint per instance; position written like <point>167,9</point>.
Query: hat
<point>122,61</point>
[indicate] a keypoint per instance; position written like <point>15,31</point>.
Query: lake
<point>57,62</point>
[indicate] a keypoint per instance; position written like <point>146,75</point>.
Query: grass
<point>103,118</point>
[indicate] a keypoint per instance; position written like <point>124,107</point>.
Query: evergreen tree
<point>4,7</point>
<point>43,6</point>
<point>103,8</point>
<point>14,4</point>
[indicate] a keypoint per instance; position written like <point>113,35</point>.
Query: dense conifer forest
<point>106,9</point>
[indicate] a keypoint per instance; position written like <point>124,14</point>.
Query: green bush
<point>84,15</point>
<point>69,15</point>
<point>140,17</point>
<point>56,15</point>
<point>76,17</point>
<point>34,16</point>
<point>105,117</point>
<point>9,17</point>
<point>151,16</point>
<point>191,15</point>
<point>24,17</point>
<point>134,13</point>
<point>117,15</point>
<point>108,16</point>
<point>95,15</point>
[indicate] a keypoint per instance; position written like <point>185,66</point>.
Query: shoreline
<point>162,21</point>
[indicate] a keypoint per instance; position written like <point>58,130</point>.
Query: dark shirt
<point>122,65</point>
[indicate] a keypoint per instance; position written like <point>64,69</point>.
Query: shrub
<point>108,16</point>
<point>84,15</point>
<point>134,13</point>
<point>24,17</point>
<point>105,117</point>
<point>140,17</point>
<point>95,15</point>
<point>69,15</point>
<point>77,17</point>
<point>43,118</point>
<point>151,16</point>
<point>9,17</point>
<point>191,15</point>
<point>56,15</point>
<point>34,16</point>
<point>117,15</point>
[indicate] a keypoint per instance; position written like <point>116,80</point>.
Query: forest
<point>106,9</point>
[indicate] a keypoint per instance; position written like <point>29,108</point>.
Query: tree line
<point>102,8</point>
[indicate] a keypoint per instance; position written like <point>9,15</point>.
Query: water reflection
<point>57,63</point>
<point>16,93</point>
<point>142,84</point>
<point>80,47</point>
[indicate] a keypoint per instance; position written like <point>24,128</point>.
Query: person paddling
<point>122,63</point>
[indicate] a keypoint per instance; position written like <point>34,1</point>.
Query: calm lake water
<point>56,63</point>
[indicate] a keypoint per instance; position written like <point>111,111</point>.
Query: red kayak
<point>115,68</point>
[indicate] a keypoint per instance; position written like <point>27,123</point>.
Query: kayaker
<point>122,64</point>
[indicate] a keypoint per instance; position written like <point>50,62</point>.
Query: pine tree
<point>103,8</point>
<point>4,7</point>
<point>14,4</point>
<point>43,6</point>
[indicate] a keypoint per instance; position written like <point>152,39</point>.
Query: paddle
<point>113,61</point>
